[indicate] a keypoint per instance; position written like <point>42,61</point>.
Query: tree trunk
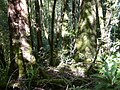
<point>38,24</point>
<point>19,33</point>
<point>86,41</point>
<point>52,35</point>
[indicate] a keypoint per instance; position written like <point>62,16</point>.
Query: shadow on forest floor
<point>51,78</point>
<point>61,78</point>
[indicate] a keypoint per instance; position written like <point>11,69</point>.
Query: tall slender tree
<point>52,34</point>
<point>38,24</point>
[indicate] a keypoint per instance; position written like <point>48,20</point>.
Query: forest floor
<point>63,77</point>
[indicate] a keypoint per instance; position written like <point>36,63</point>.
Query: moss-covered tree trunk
<point>86,41</point>
<point>19,37</point>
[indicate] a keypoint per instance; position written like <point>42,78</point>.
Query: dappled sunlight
<point>59,45</point>
<point>18,18</point>
<point>26,50</point>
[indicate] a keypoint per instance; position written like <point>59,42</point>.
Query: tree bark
<point>52,35</point>
<point>38,24</point>
<point>19,35</point>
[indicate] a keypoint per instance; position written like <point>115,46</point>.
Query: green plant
<point>109,76</point>
<point>74,88</point>
<point>32,74</point>
<point>3,77</point>
<point>77,88</point>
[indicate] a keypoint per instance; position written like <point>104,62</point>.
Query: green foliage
<point>3,15</point>
<point>77,88</point>
<point>114,6</point>
<point>3,77</point>
<point>109,76</point>
<point>74,46</point>
<point>32,74</point>
<point>74,88</point>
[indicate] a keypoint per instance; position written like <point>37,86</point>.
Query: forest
<point>59,44</point>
